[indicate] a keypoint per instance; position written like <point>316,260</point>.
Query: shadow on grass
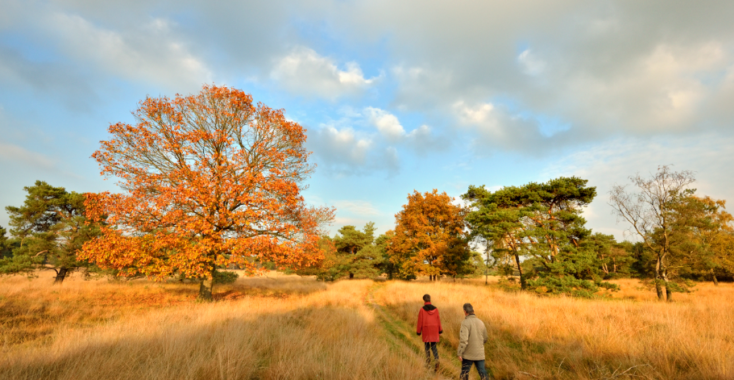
<point>25,319</point>
<point>307,343</point>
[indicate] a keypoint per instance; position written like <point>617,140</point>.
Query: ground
<point>289,327</point>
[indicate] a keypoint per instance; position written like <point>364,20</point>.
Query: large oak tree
<point>210,180</point>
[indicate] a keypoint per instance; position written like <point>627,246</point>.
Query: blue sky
<point>396,96</point>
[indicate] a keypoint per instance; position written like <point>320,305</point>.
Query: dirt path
<point>403,338</point>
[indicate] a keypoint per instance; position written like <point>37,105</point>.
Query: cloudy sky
<point>396,96</point>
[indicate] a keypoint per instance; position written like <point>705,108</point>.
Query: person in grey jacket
<point>472,336</point>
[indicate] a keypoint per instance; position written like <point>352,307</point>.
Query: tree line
<point>213,180</point>
<point>536,232</point>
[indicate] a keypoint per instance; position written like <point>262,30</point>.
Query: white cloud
<point>387,123</point>
<point>147,54</point>
<point>306,73</point>
<point>341,145</point>
<point>420,140</point>
<point>609,164</point>
<point>499,129</point>
<point>531,64</point>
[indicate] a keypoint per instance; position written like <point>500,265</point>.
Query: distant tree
<point>478,264</point>
<point>702,237</point>
<point>391,269</point>
<point>49,229</point>
<point>363,258</point>
<point>350,240</point>
<point>613,258</point>
<point>351,253</point>
<point>210,180</point>
<point>650,215</point>
<point>430,237</point>
<point>330,267</point>
<point>4,243</point>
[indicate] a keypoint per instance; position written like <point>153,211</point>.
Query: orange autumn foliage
<point>211,180</point>
<point>430,236</point>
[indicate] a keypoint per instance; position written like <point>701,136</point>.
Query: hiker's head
<point>468,309</point>
<point>426,298</point>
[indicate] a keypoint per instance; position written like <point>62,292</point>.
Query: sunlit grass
<point>288,327</point>
<point>561,337</point>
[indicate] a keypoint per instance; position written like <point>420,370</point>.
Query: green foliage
<point>350,240</point>
<point>48,230</point>
<point>702,239</point>
<point>476,266</point>
<point>350,254</point>
<point>359,256</point>
<point>541,227</point>
<point>6,245</point>
<point>569,285</point>
<point>225,277</point>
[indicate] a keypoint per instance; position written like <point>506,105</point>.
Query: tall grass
<point>303,330</point>
<point>549,338</point>
<point>286,327</point>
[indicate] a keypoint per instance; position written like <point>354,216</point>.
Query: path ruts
<point>404,340</point>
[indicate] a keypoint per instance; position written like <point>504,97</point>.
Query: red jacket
<point>429,323</point>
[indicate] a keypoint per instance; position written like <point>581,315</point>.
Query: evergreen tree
<point>543,223</point>
<point>360,258</point>
<point>614,259</point>
<point>350,253</point>
<point>49,230</point>
<point>4,244</point>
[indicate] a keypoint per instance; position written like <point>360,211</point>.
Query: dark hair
<point>427,298</point>
<point>468,308</point>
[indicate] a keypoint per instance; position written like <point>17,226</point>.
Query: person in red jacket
<point>429,325</point>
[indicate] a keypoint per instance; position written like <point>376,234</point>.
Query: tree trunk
<point>60,275</point>
<point>523,285</point>
<point>713,277</point>
<point>205,289</point>
<point>658,279</point>
<point>668,292</point>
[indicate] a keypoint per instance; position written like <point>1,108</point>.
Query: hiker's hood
<point>430,309</point>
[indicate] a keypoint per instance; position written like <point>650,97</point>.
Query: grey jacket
<point>472,337</point>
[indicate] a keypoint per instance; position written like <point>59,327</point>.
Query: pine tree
<point>49,229</point>
<point>541,222</point>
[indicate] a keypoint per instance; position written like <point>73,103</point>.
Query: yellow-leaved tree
<point>430,237</point>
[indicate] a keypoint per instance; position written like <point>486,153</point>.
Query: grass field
<point>287,327</point>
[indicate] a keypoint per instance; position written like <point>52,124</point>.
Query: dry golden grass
<point>566,338</point>
<point>282,328</point>
<point>287,327</point>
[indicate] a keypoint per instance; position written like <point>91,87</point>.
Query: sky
<point>395,96</point>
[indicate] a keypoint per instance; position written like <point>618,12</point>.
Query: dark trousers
<point>466,366</point>
<point>431,346</point>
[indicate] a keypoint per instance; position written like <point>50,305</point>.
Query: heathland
<point>290,327</point>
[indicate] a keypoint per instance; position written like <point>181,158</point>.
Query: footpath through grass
<point>402,334</point>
